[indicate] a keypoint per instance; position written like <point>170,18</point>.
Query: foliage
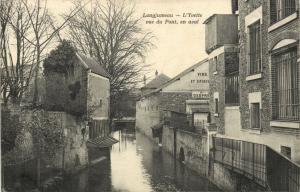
<point>47,134</point>
<point>11,126</point>
<point>61,59</point>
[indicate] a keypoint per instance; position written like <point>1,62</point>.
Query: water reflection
<point>137,165</point>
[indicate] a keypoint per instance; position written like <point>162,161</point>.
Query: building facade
<point>83,92</point>
<point>186,93</point>
<point>260,77</point>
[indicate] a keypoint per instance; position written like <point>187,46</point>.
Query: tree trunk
<point>35,94</point>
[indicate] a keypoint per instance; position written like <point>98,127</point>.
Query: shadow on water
<point>136,164</point>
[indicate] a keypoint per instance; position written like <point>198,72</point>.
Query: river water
<point>136,164</point>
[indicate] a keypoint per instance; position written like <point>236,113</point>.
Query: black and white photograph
<point>150,95</point>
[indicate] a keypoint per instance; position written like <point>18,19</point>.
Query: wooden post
<point>175,143</point>
<point>39,165</point>
<point>253,153</point>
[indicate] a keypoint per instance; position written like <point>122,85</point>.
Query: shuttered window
<point>286,86</point>
<point>254,48</point>
<point>280,9</point>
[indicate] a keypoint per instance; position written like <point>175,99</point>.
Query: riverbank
<point>137,164</point>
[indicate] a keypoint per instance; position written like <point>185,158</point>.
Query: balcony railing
<point>258,162</point>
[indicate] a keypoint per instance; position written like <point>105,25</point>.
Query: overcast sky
<point>177,46</point>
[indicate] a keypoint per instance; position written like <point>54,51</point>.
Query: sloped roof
<point>192,68</point>
<point>93,65</point>
<point>158,81</point>
<point>102,142</point>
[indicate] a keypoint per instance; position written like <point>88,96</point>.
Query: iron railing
<point>286,86</point>
<point>282,9</point>
<point>258,162</point>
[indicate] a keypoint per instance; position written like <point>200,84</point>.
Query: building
<point>158,81</point>
<point>148,110</point>
<point>222,49</point>
<point>254,98</point>
<point>82,89</point>
<point>255,90</point>
<point>186,92</point>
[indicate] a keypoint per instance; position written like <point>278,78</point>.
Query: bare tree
<point>15,65</point>
<point>43,30</point>
<point>111,33</point>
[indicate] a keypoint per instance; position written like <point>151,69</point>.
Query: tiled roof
<point>92,64</point>
<point>158,81</point>
<point>102,142</point>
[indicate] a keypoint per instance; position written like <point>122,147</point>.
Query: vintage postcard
<point>150,95</point>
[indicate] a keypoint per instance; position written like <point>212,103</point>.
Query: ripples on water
<point>136,164</point>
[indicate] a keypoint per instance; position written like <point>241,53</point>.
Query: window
<point>286,85</point>
<point>216,105</point>
<point>100,103</point>
<point>280,9</point>
<point>286,151</point>
<point>232,89</point>
<point>255,115</point>
<point>215,63</point>
<point>254,49</point>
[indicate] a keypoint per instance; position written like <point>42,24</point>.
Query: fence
<point>258,162</point>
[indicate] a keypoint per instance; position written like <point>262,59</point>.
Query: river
<point>136,164</point>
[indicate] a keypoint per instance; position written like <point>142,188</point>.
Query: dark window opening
<point>255,48</point>
<point>215,62</point>
<point>286,151</point>
<point>232,96</point>
<point>255,115</point>
<point>216,105</point>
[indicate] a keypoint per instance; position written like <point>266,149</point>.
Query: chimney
<point>156,73</point>
<point>234,6</point>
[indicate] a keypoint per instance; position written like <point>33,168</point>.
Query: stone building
<point>255,86</point>
<point>185,93</point>
<point>222,49</point>
<point>83,93</point>
<point>260,103</point>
